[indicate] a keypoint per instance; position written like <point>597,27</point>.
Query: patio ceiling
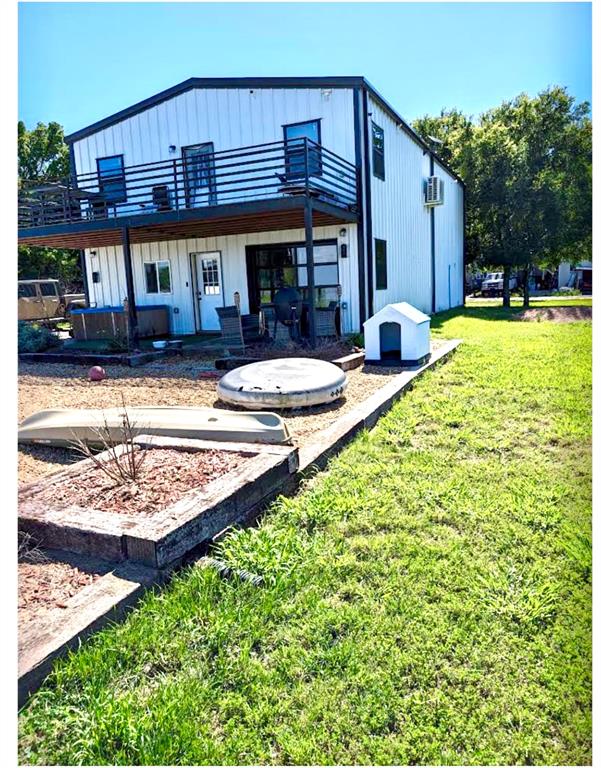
<point>265,216</point>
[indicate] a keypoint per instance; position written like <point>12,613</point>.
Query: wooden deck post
<point>310,268</point>
<point>132,312</point>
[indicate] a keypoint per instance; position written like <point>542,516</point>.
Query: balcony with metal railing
<point>247,189</point>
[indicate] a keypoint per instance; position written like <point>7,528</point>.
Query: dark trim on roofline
<point>432,244</point>
<point>409,130</point>
<point>215,82</point>
<point>359,195</point>
<point>368,216</point>
<point>254,82</point>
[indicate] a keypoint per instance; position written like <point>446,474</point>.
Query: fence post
<point>305,141</point>
<point>175,184</point>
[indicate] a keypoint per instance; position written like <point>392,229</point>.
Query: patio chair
<point>230,323</point>
<point>325,320</point>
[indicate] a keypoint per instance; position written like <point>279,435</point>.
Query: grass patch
<point>518,301</point>
<point>426,600</point>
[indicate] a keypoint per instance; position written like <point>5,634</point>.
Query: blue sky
<point>79,62</point>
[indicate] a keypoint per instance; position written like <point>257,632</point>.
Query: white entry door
<point>209,289</point>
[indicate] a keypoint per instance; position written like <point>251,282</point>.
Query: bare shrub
<point>120,458</point>
<point>29,550</point>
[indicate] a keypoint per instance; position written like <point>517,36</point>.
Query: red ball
<point>96,373</point>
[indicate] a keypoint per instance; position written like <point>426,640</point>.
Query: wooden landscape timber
<point>168,534</point>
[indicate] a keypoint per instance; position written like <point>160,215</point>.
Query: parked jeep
<point>492,285</point>
<point>42,300</point>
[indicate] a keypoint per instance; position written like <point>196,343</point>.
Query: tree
<point>527,165</point>
<point>43,156</point>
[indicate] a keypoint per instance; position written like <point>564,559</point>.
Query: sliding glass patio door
<point>271,267</point>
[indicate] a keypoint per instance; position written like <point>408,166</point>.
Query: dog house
<point>398,334</point>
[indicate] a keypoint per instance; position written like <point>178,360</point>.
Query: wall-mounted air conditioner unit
<point>434,191</point>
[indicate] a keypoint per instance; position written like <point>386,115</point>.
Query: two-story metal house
<point>225,185</point>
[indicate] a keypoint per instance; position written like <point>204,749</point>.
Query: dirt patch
<point>165,476</point>
<point>556,314</point>
<point>47,585</point>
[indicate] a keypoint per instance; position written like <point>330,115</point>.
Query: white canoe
<point>63,426</point>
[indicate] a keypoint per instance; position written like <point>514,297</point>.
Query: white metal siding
<point>228,117</point>
<point>110,291</point>
<point>448,220</point>
<point>400,217</point>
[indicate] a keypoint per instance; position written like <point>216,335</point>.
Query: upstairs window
<point>381,265</point>
<point>158,276</point>
<point>377,150</point>
<point>111,178</point>
<point>294,136</point>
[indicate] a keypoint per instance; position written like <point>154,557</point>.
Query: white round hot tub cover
<point>293,382</point>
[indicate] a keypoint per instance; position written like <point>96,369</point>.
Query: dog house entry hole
<point>390,342</point>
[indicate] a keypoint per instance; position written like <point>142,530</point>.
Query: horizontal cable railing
<point>261,172</point>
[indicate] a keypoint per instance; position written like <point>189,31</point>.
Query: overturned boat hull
<point>64,427</point>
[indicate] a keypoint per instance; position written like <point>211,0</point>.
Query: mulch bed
<point>46,585</point>
<point>165,476</point>
<point>326,349</point>
<point>556,314</point>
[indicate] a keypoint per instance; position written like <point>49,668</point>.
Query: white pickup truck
<point>492,285</point>
<point>42,300</point>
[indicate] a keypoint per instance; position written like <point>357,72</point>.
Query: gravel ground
<point>164,382</point>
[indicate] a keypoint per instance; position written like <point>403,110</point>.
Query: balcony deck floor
<point>211,221</point>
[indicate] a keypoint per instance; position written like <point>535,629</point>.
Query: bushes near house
<point>35,338</point>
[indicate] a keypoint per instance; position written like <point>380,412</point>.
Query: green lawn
<point>425,600</point>
<point>518,301</point>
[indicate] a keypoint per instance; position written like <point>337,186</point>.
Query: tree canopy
<point>43,155</point>
<point>527,165</point>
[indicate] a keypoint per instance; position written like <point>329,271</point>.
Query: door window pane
<point>111,178</point>
<point>294,136</point>
<point>326,275</point>
<point>210,277</point>
<point>322,254</point>
<point>199,173</point>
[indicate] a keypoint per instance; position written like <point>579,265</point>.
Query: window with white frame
<point>158,276</point>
